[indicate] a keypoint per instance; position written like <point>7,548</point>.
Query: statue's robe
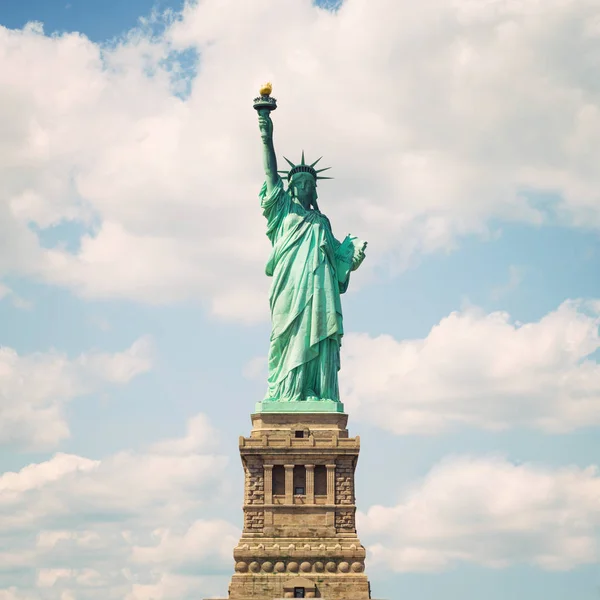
<point>306,312</point>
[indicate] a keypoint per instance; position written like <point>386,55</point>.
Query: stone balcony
<point>303,443</point>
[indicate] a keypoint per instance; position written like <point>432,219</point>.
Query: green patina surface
<point>310,270</point>
<point>304,406</point>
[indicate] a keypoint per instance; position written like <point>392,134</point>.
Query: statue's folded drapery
<point>306,312</point>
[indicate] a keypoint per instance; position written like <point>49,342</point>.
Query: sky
<point>134,320</point>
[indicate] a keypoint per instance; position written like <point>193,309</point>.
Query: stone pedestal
<point>299,533</point>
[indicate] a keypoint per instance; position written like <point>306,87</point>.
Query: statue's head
<point>302,180</point>
<point>303,187</point>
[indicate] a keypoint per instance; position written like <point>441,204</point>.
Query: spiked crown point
<point>302,167</point>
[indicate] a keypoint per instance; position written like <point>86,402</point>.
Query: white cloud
<point>16,300</point>
<point>14,594</point>
<point>172,586</point>
<point>437,117</point>
<point>256,368</point>
<point>200,436</point>
<point>515,278</point>
<point>480,370</point>
<point>126,481</point>
<point>491,512</point>
<point>35,387</point>
<point>205,542</point>
<point>126,526</point>
<point>38,475</point>
<point>101,323</point>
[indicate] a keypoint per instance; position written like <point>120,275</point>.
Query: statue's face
<point>304,189</point>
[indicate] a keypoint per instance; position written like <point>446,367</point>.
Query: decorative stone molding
<point>293,567</point>
<point>305,548</point>
<point>301,443</point>
<point>307,584</point>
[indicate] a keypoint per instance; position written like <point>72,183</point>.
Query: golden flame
<point>266,89</point>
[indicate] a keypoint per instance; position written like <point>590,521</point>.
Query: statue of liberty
<point>310,269</point>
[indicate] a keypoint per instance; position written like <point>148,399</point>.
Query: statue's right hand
<point>266,127</point>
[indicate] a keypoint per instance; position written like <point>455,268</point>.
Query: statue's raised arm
<point>264,104</point>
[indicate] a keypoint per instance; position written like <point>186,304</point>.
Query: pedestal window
<point>278,480</point>
<point>320,480</point>
<point>299,480</point>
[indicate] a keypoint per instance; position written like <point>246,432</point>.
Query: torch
<point>265,102</point>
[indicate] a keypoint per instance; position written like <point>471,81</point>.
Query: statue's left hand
<point>358,258</point>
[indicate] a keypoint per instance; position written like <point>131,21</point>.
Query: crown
<point>304,168</point>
